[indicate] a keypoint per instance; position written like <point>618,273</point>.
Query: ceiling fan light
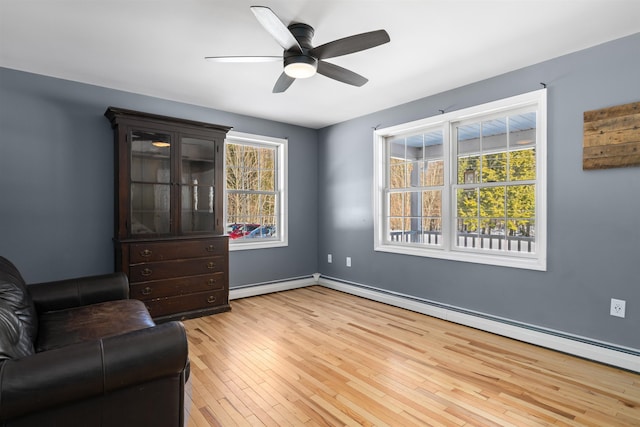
<point>300,66</point>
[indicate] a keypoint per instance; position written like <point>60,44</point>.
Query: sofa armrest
<point>79,291</point>
<point>58,377</point>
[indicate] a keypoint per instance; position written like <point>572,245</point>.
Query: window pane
<point>494,167</point>
<point>267,158</point>
<point>522,164</point>
<point>265,230</point>
<point>468,169</point>
<point>397,227</point>
<point>521,201</point>
<point>397,174</point>
<point>397,166</point>
<point>431,231</point>
<point>433,173</point>
<point>413,173</point>
<point>250,179</point>
<point>396,148</point>
<point>433,145</point>
<point>267,205</point>
<point>396,204</point>
<point>432,217</point>
<point>522,130</point>
<point>522,236</point>
<point>467,202</point>
<point>267,180</point>
<point>468,145</point>
<point>233,164</point>
<point>494,135</point>
<point>432,204</point>
<point>467,233</point>
<point>467,218</point>
<point>492,202</point>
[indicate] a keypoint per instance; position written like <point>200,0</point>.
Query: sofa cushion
<point>91,322</point>
<point>18,319</point>
<point>14,340</point>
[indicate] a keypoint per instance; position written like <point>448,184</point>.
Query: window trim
<point>446,121</point>
<point>282,157</point>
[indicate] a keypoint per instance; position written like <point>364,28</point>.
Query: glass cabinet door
<point>197,185</point>
<point>150,183</point>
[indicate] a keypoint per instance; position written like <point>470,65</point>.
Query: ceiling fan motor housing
<point>300,64</point>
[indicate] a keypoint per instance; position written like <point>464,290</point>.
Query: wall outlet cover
<point>618,307</point>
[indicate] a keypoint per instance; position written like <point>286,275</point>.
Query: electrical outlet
<point>329,258</point>
<point>348,261</point>
<point>618,307</point>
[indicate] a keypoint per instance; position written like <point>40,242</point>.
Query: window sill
<point>477,257</point>
<point>244,246</point>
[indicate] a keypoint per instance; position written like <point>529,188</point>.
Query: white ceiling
<point>156,47</point>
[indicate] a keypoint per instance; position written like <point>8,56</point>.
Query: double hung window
<point>256,194</point>
<point>469,185</point>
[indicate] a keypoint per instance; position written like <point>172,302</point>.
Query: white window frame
<point>281,146</point>
<point>448,250</point>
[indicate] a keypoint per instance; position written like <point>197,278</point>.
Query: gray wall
<point>57,174</point>
<point>56,196</point>
<point>593,216</point>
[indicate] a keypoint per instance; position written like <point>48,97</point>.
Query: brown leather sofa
<point>79,352</point>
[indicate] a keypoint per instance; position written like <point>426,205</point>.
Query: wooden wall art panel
<point>612,137</point>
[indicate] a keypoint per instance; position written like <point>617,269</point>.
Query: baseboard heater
<point>607,353</point>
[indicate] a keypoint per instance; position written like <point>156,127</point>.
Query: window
<point>256,196</point>
<point>468,185</point>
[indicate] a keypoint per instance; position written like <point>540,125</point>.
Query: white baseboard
<point>267,288</point>
<point>610,354</point>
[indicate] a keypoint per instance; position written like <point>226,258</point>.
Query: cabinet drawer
<point>186,303</point>
<point>162,251</point>
<point>178,268</point>
<point>181,286</point>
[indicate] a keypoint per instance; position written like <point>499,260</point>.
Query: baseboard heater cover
<point>607,353</point>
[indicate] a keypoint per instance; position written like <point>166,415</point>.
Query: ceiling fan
<point>301,59</point>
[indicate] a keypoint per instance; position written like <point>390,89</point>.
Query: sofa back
<point>18,318</point>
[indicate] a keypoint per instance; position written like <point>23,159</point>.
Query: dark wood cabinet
<point>169,228</point>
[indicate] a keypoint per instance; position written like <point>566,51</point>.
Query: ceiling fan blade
<point>275,27</point>
<point>350,44</point>
<point>341,74</point>
<point>237,59</point>
<point>283,83</point>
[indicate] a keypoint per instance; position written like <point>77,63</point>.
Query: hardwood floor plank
<point>318,357</point>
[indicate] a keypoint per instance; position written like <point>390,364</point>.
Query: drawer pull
<point>211,282</point>
<point>211,265</point>
<point>146,253</point>
<point>146,272</point>
<point>146,291</point>
<point>210,248</point>
<point>211,299</point>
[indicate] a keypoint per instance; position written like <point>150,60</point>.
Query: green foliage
<point>509,207</point>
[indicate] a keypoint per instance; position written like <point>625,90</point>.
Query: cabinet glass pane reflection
<point>150,206</point>
<point>197,179</point>
<point>150,182</point>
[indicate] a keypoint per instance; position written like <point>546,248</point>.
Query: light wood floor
<point>318,357</point>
